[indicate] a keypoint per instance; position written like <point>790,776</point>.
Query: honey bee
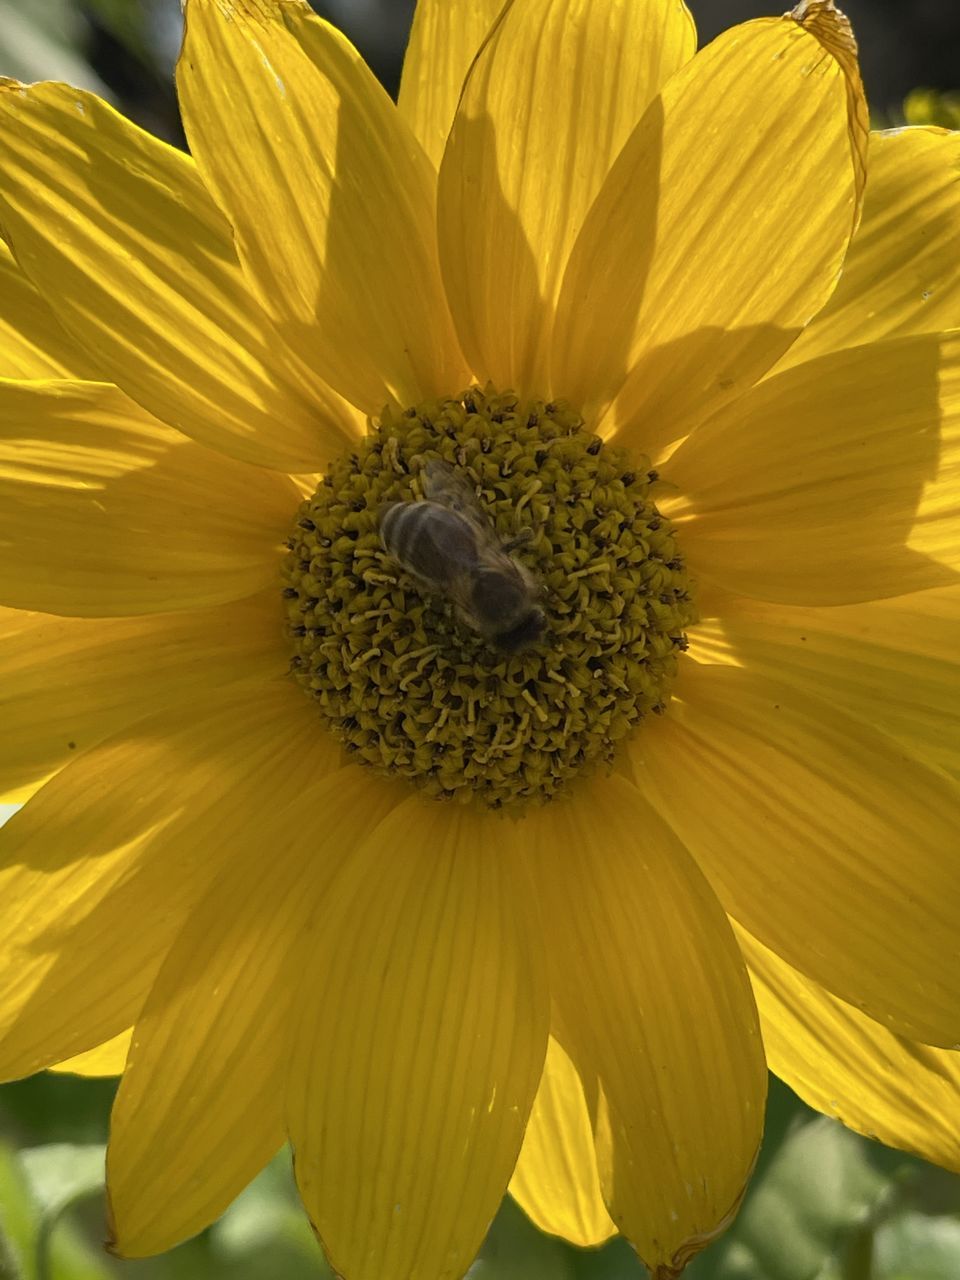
<point>450,544</point>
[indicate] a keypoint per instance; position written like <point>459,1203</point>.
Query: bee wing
<point>431,541</point>
<point>445,484</point>
<point>447,555</point>
<point>450,488</point>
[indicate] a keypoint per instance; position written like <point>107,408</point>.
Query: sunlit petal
<point>846,1065</point>
<point>332,200</point>
<point>834,846</point>
<point>104,511</point>
<point>900,275</point>
<point>552,97</point>
<point>102,865</point>
<point>425,1012</point>
<point>200,1107</point>
<point>444,41</point>
<point>683,287</point>
<point>556,1181</point>
<point>833,482</point>
<point>657,1016</point>
<point>137,263</point>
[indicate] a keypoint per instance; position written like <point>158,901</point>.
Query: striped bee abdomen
<point>429,540</point>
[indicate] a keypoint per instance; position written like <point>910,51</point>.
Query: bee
<point>450,544</point>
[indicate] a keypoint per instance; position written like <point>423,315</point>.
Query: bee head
<point>527,632</point>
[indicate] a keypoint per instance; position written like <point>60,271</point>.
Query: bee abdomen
<point>428,539</point>
<point>395,528</point>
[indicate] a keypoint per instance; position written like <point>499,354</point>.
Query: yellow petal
<point>444,40</point>
<point>13,797</point>
<point>424,1028</point>
<point>893,663</point>
<point>104,511</point>
<point>556,1181</point>
<point>900,275</point>
<point>101,866</point>
<point>117,232</point>
<point>848,1066</point>
<point>331,196</point>
<point>551,99</point>
<point>200,1107</point>
<point>68,683</point>
<point>720,231</point>
<point>833,482</point>
<point>33,343</point>
<point>823,837</point>
<point>658,1015</point>
<point>106,1059</point>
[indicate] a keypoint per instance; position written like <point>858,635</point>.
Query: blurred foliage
<point>127,23</point>
<point>927,106</point>
<point>824,1204</point>
<point>45,40</point>
<point>128,47</point>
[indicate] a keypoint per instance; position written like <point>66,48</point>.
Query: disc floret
<point>413,692</point>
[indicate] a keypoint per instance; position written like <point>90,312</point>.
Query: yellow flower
<point>584,277</point>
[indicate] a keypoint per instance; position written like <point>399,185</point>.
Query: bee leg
<point>518,540</point>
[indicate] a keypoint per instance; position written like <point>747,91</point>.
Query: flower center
<point>483,598</point>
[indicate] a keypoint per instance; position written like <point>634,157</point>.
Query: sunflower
<point>309,852</point>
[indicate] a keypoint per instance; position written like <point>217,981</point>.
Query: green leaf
<point>58,1175</point>
<point>36,1188</point>
<point>265,1232</point>
<point>18,1219</point>
<point>38,40</point>
<point>806,1216</point>
<point>515,1250</point>
<point>60,1172</point>
<point>914,1246</point>
<point>70,1257</point>
<point>927,106</point>
<point>126,22</point>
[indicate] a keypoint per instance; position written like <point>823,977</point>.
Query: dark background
<point>904,44</point>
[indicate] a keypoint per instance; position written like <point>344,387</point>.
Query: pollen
<point>407,685</point>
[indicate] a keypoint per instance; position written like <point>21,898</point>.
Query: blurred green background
<point>824,1204</point>
<point>126,48</point>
